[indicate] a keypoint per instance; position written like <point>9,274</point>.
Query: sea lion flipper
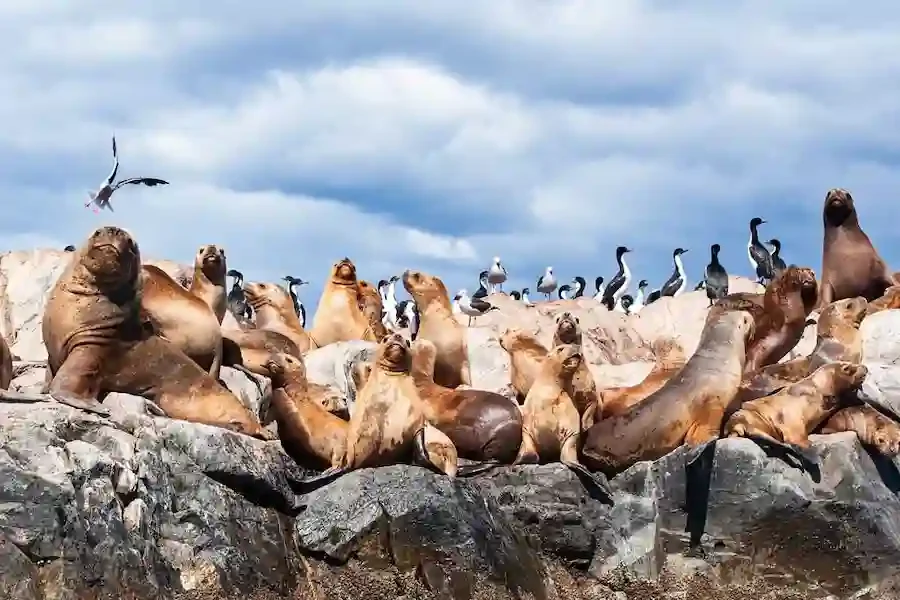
<point>807,457</point>
<point>476,468</point>
<point>15,396</point>
<point>434,450</point>
<point>698,467</point>
<point>885,409</point>
<point>596,483</point>
<point>311,484</point>
<point>154,409</point>
<point>89,405</point>
<point>251,376</point>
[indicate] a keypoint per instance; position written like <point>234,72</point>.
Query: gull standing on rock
<point>472,307</point>
<point>496,275</point>
<point>546,283</point>
<point>100,198</point>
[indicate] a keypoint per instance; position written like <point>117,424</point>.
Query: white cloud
<point>413,134</point>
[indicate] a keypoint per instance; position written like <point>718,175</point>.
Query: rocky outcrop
<point>135,506</point>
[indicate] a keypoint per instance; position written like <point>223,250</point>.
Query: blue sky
<point>421,134</point>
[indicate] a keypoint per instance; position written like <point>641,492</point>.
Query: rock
<point>332,365</point>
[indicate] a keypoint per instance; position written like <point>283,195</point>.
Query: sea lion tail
<point>596,484</point>
<point>698,466</point>
<point>477,468</point>
<point>311,484</point>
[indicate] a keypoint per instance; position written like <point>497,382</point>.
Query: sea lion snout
<point>211,254</point>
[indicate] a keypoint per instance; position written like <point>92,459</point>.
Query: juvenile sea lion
<point>583,388</point>
<point>779,325</point>
<point>850,264</point>
<point>438,325</point>
<point>182,318</point>
<point>372,307</point>
<point>890,300</point>
<point>669,360</point>
<point>525,356</point>
<point>6,364</point>
<point>481,424</point>
<point>787,417</point>
<point>96,342</point>
<point>208,282</point>
<point>838,339</point>
<point>274,309</point>
<point>871,427</point>
<point>338,316</point>
<point>551,424</point>
<point>312,436</point>
<point>388,423</point>
<point>688,409</point>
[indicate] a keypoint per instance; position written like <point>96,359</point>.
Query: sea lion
<point>182,318</point>
<point>871,427</point>
<point>208,282</point>
<point>482,425</point>
<point>372,307</point>
<point>669,360</point>
<point>338,316</point>
<point>438,324</point>
<point>583,388</point>
<point>786,418</point>
<point>780,322</point>
<point>6,364</point>
<point>274,309</point>
<point>525,356</point>
<point>837,339</point>
<point>96,342</point>
<point>312,436</point>
<point>388,423</point>
<point>850,264</point>
<point>551,423</point>
<point>688,409</point>
<point>890,300</point>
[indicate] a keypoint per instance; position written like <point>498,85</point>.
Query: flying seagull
<point>100,198</point>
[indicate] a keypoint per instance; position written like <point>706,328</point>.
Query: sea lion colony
<point>115,324</point>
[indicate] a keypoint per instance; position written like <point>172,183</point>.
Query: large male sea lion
<point>850,264</point>
<point>182,318</point>
<point>551,423</point>
<point>338,316</point>
<point>688,409</point>
<point>871,427</point>
<point>583,388</point>
<point>780,322</point>
<point>208,282</point>
<point>787,417</point>
<point>837,339</point>
<point>311,435</point>
<point>388,423</point>
<point>372,307</point>
<point>438,325</point>
<point>96,342</point>
<point>482,425</point>
<point>274,309</point>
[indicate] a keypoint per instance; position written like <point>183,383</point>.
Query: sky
<point>410,134</point>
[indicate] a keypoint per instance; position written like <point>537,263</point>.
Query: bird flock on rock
<point>766,264</point>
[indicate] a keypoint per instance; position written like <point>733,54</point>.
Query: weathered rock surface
<point>134,506</point>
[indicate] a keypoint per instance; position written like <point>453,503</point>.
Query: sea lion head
<point>394,353</point>
<point>211,260</point>
<point>839,208</point>
<point>285,368</point>
<point>425,289</point>
<point>567,328</point>
<point>744,323</point>
<point>343,272</point>
<point>568,358</point>
<point>259,295</point>
<point>838,315</point>
<point>111,256</point>
<point>369,302</point>
<point>798,280</point>
<point>848,375</point>
<point>514,339</point>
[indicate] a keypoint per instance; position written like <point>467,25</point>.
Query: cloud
<point>406,134</point>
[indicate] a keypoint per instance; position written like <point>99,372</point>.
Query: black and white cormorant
<point>618,285</point>
<point>677,283</point>
<point>760,259</point>
<point>515,295</point>
<point>639,301</point>
<point>716,277</point>
<point>599,288</point>
<point>237,302</point>
<point>564,292</point>
<point>298,306</point>
<point>579,284</point>
<point>778,264</point>
<point>482,290</point>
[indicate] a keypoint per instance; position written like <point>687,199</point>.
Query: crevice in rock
<point>248,487</point>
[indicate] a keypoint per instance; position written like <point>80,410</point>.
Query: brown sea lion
<point>6,364</point>
<point>871,427</point>
<point>371,306</point>
<point>96,342</point>
<point>786,418</point>
<point>338,316</point>
<point>890,300</point>
<point>583,388</point>
<point>779,324</point>
<point>688,409</point>
<point>551,424</point>
<point>388,423</point>
<point>274,310</point>
<point>312,436</point>
<point>438,325</point>
<point>208,282</point>
<point>526,354</point>
<point>850,264</point>
<point>482,425</point>
<point>837,339</point>
<point>670,360</point>
<point>182,318</point>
